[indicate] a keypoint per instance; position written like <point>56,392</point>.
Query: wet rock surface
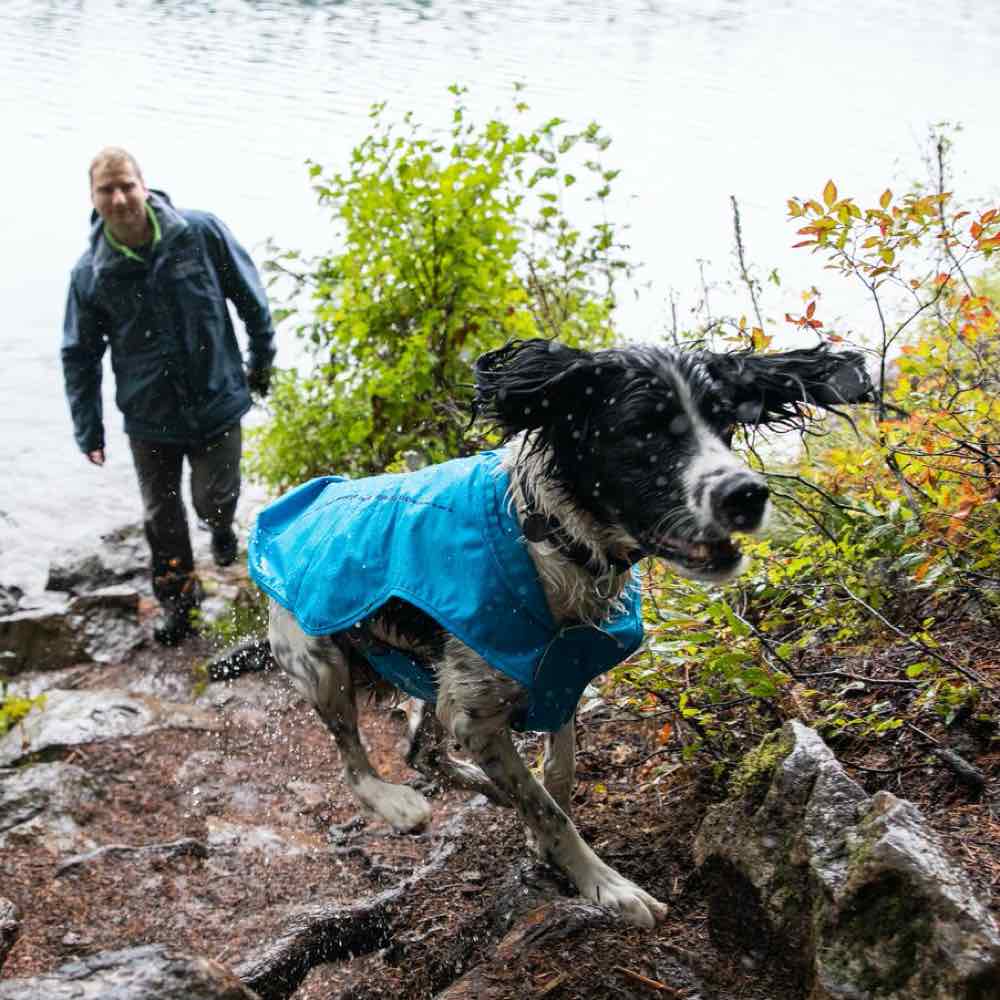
<point>120,556</point>
<point>149,973</point>
<point>859,890</point>
<point>55,630</point>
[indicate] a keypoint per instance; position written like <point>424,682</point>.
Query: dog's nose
<point>739,501</point>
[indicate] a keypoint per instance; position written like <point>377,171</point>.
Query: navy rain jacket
<point>178,368</point>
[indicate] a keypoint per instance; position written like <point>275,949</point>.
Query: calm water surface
<point>222,102</point>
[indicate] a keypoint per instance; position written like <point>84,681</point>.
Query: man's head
<point>119,194</point>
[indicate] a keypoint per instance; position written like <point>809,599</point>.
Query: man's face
<point>119,196</point>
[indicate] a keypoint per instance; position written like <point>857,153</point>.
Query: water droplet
<point>679,425</point>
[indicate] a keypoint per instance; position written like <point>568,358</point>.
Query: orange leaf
<point>830,193</point>
<point>810,309</point>
<point>663,736</point>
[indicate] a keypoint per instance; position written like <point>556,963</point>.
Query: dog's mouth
<point>705,558</point>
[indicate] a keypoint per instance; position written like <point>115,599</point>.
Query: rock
<point>856,891</point>
<point>10,597</point>
<point>40,802</point>
<point>10,927</point>
<point>122,556</point>
<point>151,972</point>
<point>54,631</point>
<point>69,718</point>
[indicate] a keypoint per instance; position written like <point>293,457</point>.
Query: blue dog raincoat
<point>334,550</point>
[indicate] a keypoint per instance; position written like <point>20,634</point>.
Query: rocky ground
<point>212,818</point>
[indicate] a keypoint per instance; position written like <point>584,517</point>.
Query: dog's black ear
<point>769,388</point>
<point>530,383</point>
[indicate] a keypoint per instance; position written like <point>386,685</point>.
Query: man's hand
<point>259,381</point>
<point>96,457</point>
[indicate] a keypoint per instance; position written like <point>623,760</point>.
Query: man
<point>153,285</point>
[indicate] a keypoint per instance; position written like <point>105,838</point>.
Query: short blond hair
<point>114,155</point>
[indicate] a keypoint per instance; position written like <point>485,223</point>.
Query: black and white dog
<point>610,457</point>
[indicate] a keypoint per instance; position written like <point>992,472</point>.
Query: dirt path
<point>253,853</point>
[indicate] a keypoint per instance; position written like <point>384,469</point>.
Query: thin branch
<point>744,274</point>
<point>934,654</point>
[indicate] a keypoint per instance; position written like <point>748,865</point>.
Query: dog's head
<point>640,436</point>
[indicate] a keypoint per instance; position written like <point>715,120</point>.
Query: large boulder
<point>120,556</point>
<point>151,972</point>
<point>857,891</point>
<point>54,630</point>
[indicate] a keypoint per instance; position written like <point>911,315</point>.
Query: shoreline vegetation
<point>885,524</point>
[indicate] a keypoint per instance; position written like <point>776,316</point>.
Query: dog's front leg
<point>321,673</point>
<point>475,703</point>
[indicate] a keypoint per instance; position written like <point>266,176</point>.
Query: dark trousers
<point>215,488</point>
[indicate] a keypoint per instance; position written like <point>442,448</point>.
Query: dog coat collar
<point>443,538</point>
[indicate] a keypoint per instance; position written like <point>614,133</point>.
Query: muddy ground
<point>258,834</point>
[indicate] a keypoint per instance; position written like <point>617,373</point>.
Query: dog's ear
<point>528,384</point>
<point>769,388</point>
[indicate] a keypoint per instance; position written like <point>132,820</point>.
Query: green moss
<point>890,927</point>
<point>756,768</point>
<point>13,709</point>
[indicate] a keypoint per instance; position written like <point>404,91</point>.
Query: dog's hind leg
<point>474,704</point>
<point>429,756</point>
<point>321,672</point>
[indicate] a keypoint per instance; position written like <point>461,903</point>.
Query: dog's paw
<point>615,892</point>
<point>402,807</point>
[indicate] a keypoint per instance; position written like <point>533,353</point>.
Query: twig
<point>884,770</point>
<point>744,274</point>
<point>653,984</point>
<point>859,677</point>
<point>947,661</point>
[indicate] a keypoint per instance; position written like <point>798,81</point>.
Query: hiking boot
<point>224,546</point>
<point>175,624</point>
<point>173,627</point>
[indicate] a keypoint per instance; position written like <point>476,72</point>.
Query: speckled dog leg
<point>320,672</point>
<point>474,704</point>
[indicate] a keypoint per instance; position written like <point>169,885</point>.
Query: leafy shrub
<point>449,247</point>
<point>885,523</point>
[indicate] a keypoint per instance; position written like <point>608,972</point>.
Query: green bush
<point>448,248</point>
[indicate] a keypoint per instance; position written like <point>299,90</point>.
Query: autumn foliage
<point>888,529</point>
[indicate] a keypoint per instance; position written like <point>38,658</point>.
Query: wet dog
<point>505,580</point>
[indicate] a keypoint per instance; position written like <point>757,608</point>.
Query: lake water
<point>223,102</point>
